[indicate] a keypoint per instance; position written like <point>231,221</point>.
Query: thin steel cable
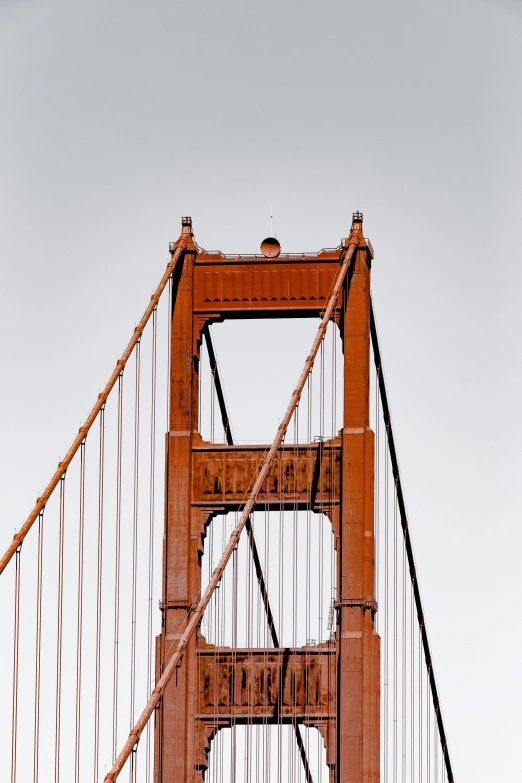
<point>395,639</point>
<point>79,617</point>
<point>280,565</point>
<point>117,574</point>
<point>38,649</point>
<point>386,633</point>
<point>16,648</point>
<point>59,635</point>
<point>235,570</point>
<point>152,487</point>
<point>135,532</point>
<point>436,748</point>
<point>308,511</point>
<point>99,596</point>
<point>403,662</point>
<point>412,690</point>
<point>249,642</point>
<point>377,494</point>
<point>428,734</point>
<point>320,457</point>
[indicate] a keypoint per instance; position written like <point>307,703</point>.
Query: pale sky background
<point>118,118</point>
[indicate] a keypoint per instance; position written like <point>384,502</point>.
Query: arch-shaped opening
<point>264,753</point>
<point>293,602</point>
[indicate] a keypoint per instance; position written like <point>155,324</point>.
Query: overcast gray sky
<point>117,118</point>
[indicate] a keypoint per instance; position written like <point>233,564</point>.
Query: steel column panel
<point>358,644</point>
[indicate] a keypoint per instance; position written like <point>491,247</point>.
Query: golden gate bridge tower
<point>290,642</point>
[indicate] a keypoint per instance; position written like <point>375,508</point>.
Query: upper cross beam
<point>241,286</point>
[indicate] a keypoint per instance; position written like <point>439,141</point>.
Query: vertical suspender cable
<point>38,649</point>
<point>421,736</point>
<point>412,689</point>
<point>377,495</point>
<point>428,738</point>
<point>117,563</point>
<point>58,710</point>
<point>79,618</point>
<point>152,488</point>
<point>386,617</point>
<point>134,765</point>
<point>99,583</point>
<point>16,646</point>
<point>135,533</point>
<point>436,749</point>
<point>395,639</point>
<point>234,591</point>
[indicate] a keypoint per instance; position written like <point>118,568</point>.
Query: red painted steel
<point>358,643</point>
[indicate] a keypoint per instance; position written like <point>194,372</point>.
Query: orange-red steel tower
<point>213,688</point>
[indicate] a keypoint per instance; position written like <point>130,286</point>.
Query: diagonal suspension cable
<point>345,261</point>
<point>407,544</point>
<point>251,539</point>
<point>18,539</point>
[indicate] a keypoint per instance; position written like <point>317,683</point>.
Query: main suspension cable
<point>99,595</point>
<point>59,634</point>
<point>152,487</point>
<point>117,569</point>
<point>135,530</point>
<point>79,618</point>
